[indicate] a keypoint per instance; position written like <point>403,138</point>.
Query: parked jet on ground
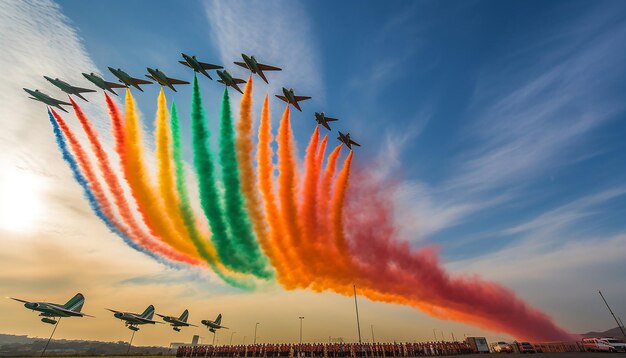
<point>291,98</point>
<point>163,80</point>
<point>257,68</point>
<point>52,310</point>
<point>126,79</point>
<point>178,322</point>
<point>321,118</point>
<point>345,139</point>
<point>98,81</point>
<point>228,80</point>
<point>132,320</point>
<point>69,89</point>
<point>213,325</point>
<point>42,97</point>
<point>197,66</point>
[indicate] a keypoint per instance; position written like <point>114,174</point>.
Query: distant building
<point>195,339</point>
<point>478,344</point>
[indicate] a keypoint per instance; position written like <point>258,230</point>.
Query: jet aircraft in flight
<point>176,323</point>
<point>291,98</point>
<point>257,68</point>
<point>126,79</point>
<point>163,80</point>
<point>132,320</point>
<point>42,97</point>
<point>69,89</point>
<point>228,80</point>
<point>49,311</point>
<point>98,81</point>
<point>345,139</point>
<point>214,325</point>
<point>197,66</point>
<point>321,118</point>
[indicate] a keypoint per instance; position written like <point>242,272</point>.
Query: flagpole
<point>356,306</point>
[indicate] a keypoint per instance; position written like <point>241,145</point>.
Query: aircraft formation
<point>53,312</point>
<point>126,81</point>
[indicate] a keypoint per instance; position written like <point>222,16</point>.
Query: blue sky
<point>502,123</point>
<point>495,113</point>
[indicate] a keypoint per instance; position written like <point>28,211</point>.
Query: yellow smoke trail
<point>139,183</point>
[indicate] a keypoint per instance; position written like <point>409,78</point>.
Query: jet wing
<point>238,80</point>
<point>242,64</point>
<point>328,119</point>
<point>139,81</point>
<point>354,143</point>
<point>80,90</point>
<point>18,299</point>
<point>301,98</point>
<point>283,98</point>
<point>177,82</point>
<point>114,311</point>
<point>185,63</point>
<point>70,312</point>
<point>326,125</point>
<point>263,67</point>
<point>208,66</point>
<point>115,85</point>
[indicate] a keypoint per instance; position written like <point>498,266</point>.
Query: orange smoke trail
<point>319,157</point>
<point>287,192</point>
<point>324,196</point>
<point>117,191</point>
<point>266,185</point>
<point>166,177</point>
<point>245,148</point>
<point>132,163</point>
<point>307,213</point>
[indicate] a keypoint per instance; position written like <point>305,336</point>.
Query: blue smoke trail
<point>93,202</point>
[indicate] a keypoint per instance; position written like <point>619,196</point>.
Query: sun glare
<point>20,202</point>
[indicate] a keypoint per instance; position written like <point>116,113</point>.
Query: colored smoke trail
<point>115,188</point>
<point>238,221</point>
<point>287,192</point>
<point>137,178</point>
<point>266,186</point>
<point>204,247</point>
<point>209,196</point>
<point>324,197</point>
<point>308,208</point>
<point>423,282</point>
<point>337,206</point>
<point>89,195</point>
<point>165,175</point>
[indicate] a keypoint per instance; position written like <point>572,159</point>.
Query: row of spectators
<point>328,350</point>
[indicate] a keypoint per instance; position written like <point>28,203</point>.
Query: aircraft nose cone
<point>31,305</point>
<point>118,315</point>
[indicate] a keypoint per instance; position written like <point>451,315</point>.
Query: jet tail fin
<point>183,317</point>
<point>148,313</point>
<point>218,320</point>
<point>75,303</point>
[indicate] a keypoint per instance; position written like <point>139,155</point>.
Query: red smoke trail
<point>89,173</point>
<point>287,178</point>
<point>113,184</point>
<point>120,139</point>
<point>416,277</point>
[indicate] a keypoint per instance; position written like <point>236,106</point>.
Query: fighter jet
<point>132,320</point>
<point>163,80</point>
<point>178,322</point>
<point>42,97</point>
<point>69,89</point>
<point>291,98</point>
<point>321,118</point>
<point>228,80</point>
<point>53,310</point>
<point>126,79</point>
<point>257,68</point>
<point>345,139</point>
<point>98,81</point>
<point>197,66</point>
<point>213,325</point>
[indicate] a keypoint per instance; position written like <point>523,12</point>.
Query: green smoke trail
<point>209,196</point>
<point>187,212</point>
<point>238,221</point>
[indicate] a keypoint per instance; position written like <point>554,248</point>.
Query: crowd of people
<point>327,350</point>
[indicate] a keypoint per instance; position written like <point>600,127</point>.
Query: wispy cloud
<point>277,33</point>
